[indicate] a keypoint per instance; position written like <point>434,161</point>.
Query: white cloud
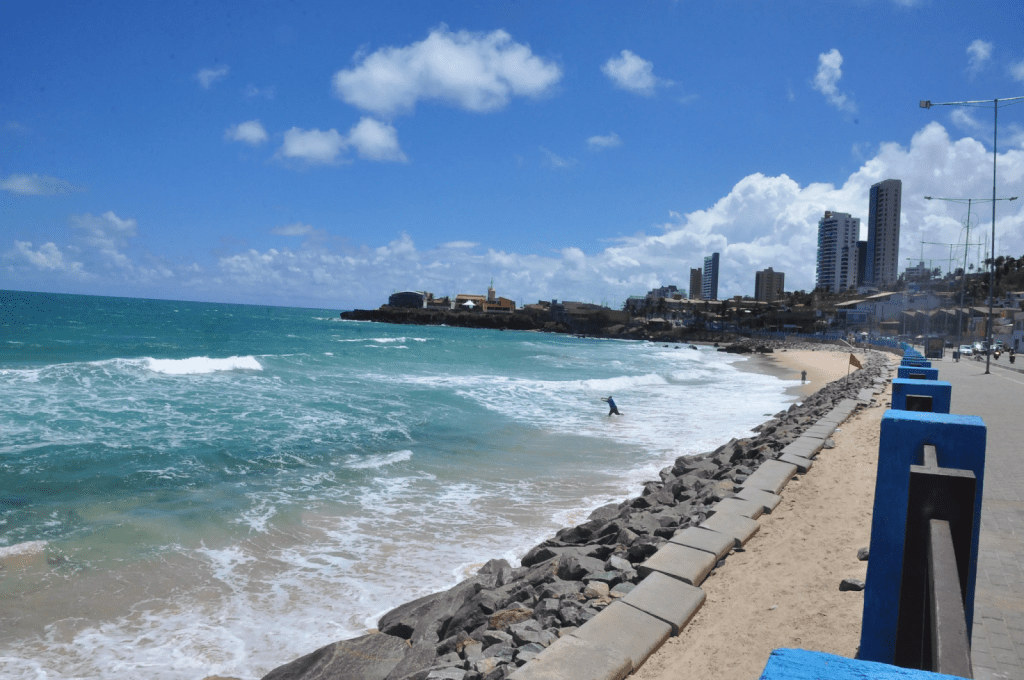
<point>36,185</point>
<point>375,141</point>
<point>827,77</point>
<point>1017,71</point>
<point>48,258</point>
<point>475,71</point>
<point>604,141</point>
<point>251,132</point>
<point>312,146</point>
<point>372,139</point>
<point>460,244</point>
<point>631,72</point>
<point>108,234</point>
<point>978,54</point>
<point>253,91</point>
<point>557,161</point>
<point>208,76</point>
<point>295,229</point>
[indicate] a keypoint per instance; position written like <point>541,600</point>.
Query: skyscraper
<point>837,251</point>
<point>883,233</point>
<point>768,285</point>
<point>709,280</point>
<point>695,286</point>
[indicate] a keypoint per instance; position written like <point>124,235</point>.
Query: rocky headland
<point>487,626</point>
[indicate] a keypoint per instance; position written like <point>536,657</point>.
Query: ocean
<point>192,489</point>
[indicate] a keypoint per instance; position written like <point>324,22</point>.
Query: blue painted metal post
<point>914,373</point>
<point>939,390</point>
<point>960,444</point>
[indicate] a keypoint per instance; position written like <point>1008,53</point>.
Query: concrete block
<point>626,630</point>
<point>819,431</point>
<point>771,476</point>
<point>914,373</point>
<point>740,528</point>
<point>572,657</point>
<point>866,394</point>
<point>805,447</point>
<point>960,444</point>
<point>737,506</point>
<point>940,391</point>
<point>679,561</point>
<point>802,464</point>
<point>666,598</point>
<point>768,500</point>
<point>916,363</point>
<point>701,539</point>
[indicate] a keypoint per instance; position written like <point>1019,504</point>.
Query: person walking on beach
<point>803,377</point>
<point>612,408</point>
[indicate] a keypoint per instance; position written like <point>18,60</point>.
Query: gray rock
<point>617,563</point>
<point>851,584</point>
<point>622,589</point>
<point>496,637</point>
<point>863,554</point>
<point>370,657</point>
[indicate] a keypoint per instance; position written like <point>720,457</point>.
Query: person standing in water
<point>612,408</point>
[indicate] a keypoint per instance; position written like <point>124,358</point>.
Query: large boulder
<point>370,657</point>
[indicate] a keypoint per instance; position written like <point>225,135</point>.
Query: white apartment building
<point>883,233</point>
<point>837,251</point>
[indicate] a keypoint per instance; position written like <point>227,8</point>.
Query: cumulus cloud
<point>631,72</point>
<point>1017,71</point>
<point>474,71</point>
<point>604,141</point>
<point>375,141</point>
<point>208,76</point>
<point>36,185</point>
<point>827,79</point>
<point>372,140</point>
<point>108,234</point>
<point>979,53</point>
<point>251,132</point>
<point>48,258</point>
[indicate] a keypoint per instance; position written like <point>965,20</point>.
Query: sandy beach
<point>783,590</point>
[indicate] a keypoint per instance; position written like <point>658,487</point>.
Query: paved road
<point>998,635</point>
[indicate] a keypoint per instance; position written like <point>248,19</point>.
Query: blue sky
<point>328,154</point>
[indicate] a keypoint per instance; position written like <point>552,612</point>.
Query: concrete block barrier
<point>914,373</point>
<point>738,506</point>
<point>802,464</point>
<point>668,599</point>
<point>771,476</point>
<point>768,500</point>
<point>740,528</point>
<point>939,393</point>
<point>679,561</point>
<point>805,447</point>
<point>626,630</point>
<point>713,542</point>
<point>572,657</point>
<point>820,431</point>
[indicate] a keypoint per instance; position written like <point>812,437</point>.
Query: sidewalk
<point>998,635</point>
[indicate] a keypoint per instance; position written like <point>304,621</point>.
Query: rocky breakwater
<point>519,320</point>
<point>498,620</point>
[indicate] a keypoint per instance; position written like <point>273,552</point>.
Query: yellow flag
<point>854,362</point>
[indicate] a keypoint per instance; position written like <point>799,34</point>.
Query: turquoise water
<point>189,489</point>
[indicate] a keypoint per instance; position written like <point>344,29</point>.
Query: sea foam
<point>200,365</point>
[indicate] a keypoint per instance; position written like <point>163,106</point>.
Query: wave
<point>379,460</point>
<point>382,341</point>
<point>200,365</point>
<point>26,548</point>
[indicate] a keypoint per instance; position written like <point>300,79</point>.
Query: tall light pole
<point>985,103</point>
<point>967,241</point>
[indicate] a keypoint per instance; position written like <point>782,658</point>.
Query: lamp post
<point>967,241</point>
<point>985,103</point>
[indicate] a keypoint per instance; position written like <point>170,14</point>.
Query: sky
<point>329,154</point>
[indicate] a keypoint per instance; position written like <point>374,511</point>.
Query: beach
<point>783,589</point>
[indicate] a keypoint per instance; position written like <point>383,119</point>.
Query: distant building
<point>862,261</point>
<point>918,272</point>
<point>883,233</point>
<point>768,285</point>
<point>695,284</point>
<point>409,298</point>
<point>837,251</point>
<point>709,279</point>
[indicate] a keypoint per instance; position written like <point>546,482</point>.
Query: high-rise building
<point>837,251</point>
<point>883,233</point>
<point>768,285</point>
<point>695,285</point>
<point>862,261</point>
<point>709,280</point>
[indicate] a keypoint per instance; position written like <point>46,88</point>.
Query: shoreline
<point>511,614</point>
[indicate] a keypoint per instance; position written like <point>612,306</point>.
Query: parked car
<point>966,351</point>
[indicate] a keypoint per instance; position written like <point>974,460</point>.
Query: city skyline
<point>328,156</point>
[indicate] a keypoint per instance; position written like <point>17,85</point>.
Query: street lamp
<point>985,103</point>
<point>967,242</point>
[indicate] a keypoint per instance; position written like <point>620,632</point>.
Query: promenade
<point>998,635</point>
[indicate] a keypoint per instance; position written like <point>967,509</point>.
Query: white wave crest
<point>621,383</point>
<point>379,460</point>
<point>199,365</point>
<point>26,548</point>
